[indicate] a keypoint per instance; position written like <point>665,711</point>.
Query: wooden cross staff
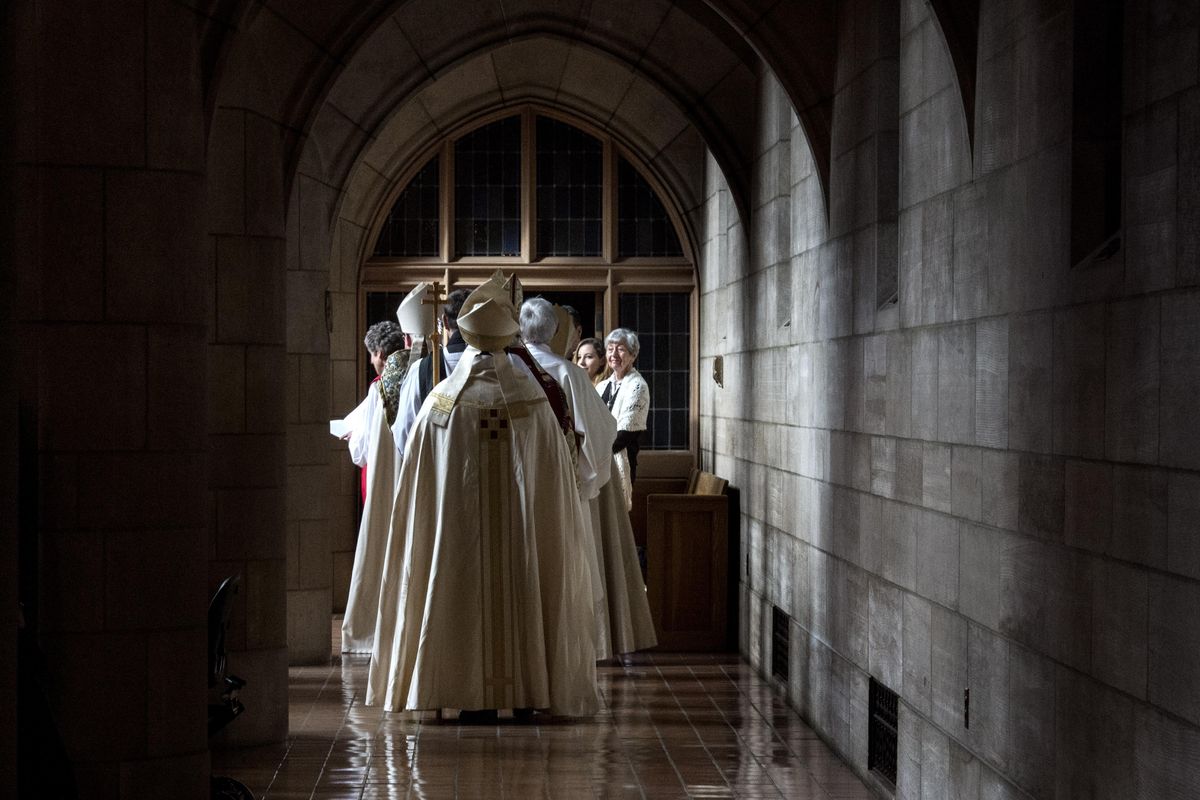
<point>434,298</point>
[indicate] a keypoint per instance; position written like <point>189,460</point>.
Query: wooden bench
<point>687,564</point>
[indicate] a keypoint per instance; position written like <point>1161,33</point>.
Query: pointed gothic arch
<point>644,255</point>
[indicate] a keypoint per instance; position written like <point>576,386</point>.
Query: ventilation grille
<point>781,643</point>
<point>881,735</point>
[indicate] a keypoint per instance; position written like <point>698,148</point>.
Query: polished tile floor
<point>672,726</point>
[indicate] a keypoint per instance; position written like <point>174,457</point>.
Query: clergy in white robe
<point>624,623</point>
<point>486,596</point>
<point>372,447</point>
<point>417,384</point>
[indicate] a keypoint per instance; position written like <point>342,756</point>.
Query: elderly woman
<point>628,397</point>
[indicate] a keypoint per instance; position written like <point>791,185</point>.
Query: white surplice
<point>630,626</point>
<point>371,444</point>
<point>625,624</point>
<point>592,418</point>
<point>486,595</point>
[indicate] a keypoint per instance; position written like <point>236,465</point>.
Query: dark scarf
<point>425,366</point>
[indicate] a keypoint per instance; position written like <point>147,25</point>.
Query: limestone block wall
<point>309,532</point>
<point>109,257</point>
<point>995,489</point>
<point>247,368</point>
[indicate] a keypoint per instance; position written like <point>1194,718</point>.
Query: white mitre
<point>489,325</point>
<point>562,335</point>
<point>513,288</point>
<point>414,318</point>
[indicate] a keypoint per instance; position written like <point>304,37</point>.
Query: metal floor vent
<point>881,733</point>
<point>781,643</point>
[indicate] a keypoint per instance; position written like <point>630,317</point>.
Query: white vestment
<point>370,444</point>
<point>630,626</point>
<point>592,419</point>
<point>410,399</point>
<point>623,475</point>
<point>359,423</point>
<point>625,624</point>
<point>486,599</point>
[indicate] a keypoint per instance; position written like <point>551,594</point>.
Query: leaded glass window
<point>411,227</point>
<point>662,322</point>
<point>571,212</point>
<point>643,227</point>
<point>570,191</point>
<point>487,190</point>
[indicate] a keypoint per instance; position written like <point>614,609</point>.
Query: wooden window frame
<point>604,274</point>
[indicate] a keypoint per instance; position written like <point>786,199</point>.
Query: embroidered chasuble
<point>486,597</point>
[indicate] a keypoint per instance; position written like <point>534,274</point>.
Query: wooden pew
<point>687,564</point>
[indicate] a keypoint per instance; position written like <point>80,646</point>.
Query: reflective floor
<point>672,726</point>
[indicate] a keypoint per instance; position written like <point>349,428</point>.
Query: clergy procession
<point>495,562</point>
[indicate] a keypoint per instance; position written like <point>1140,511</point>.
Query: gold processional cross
<point>434,299</point>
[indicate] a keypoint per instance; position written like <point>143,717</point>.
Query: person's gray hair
<point>626,337</point>
<point>538,320</point>
<point>385,336</point>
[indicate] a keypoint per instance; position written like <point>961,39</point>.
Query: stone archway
<point>286,134</point>
<point>569,75</point>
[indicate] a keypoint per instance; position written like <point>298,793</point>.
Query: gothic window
<point>644,229</point>
<point>487,190</point>
<point>411,227</point>
<point>663,325</point>
<point>570,190</point>
<point>572,212</point>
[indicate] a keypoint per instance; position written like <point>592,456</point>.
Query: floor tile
<point>672,726</point>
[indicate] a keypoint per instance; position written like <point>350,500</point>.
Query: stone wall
<point>248,364</point>
<point>994,488</point>
<point>110,310</point>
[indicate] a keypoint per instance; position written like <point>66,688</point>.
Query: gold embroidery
<point>496,545</point>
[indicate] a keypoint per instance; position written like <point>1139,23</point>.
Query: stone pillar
<point>110,258</point>
<point>247,368</point>
<point>310,573</point>
<point>345,393</point>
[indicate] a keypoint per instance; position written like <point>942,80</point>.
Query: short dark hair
<point>379,333</point>
<point>574,315</point>
<point>392,340</point>
<point>454,304</point>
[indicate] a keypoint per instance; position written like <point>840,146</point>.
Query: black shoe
<point>485,716</point>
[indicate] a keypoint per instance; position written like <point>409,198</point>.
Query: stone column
<point>110,259</point>
<point>310,573</point>
<point>247,371</point>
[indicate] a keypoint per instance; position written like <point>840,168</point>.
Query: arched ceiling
<point>348,65</point>
<point>563,74</point>
<point>285,59</point>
